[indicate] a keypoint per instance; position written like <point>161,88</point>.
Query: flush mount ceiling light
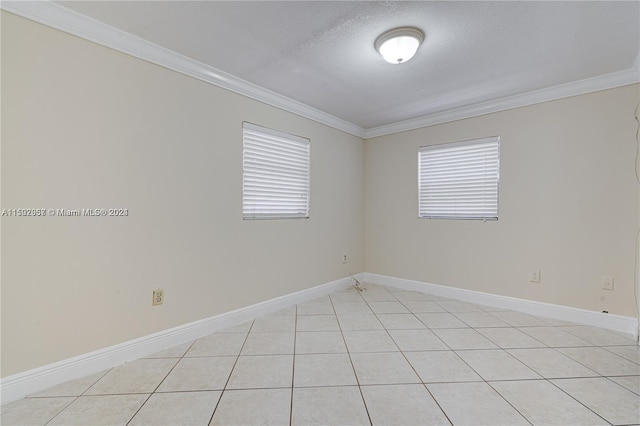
<point>400,44</point>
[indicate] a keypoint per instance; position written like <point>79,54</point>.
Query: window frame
<point>493,140</point>
<point>254,132</point>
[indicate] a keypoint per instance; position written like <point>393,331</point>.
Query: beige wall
<point>568,205</point>
<point>85,127</point>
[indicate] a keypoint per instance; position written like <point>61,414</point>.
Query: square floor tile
<point>289,310</point>
<point>177,351</point>
<point>609,400</point>
<point>400,322</point>
<point>474,404</point>
<point>32,411</point>
<point>328,406</point>
<point>240,328</point>
<point>378,296</point>
<point>71,388</point>
<point>346,296</point>
<point>544,404</point>
<point>139,376</point>
<point>359,322</point>
<point>601,361</point>
<point>510,338</point>
<point>417,340</point>
<point>388,308</point>
<point>253,407</point>
<point>519,319</point>
<point>383,368</point>
<point>463,339</point>
<point>554,337</point>
<point>320,342</point>
<point>480,319</point>
<point>402,405</point>
<point>497,365</point>
<point>441,366</point>
<point>100,410</point>
<point>550,363</point>
<point>218,344</point>
<point>274,323</point>
<point>632,353</point>
<point>457,306</point>
<point>267,371</point>
<point>180,408</point>
<point>370,287</point>
<point>422,306</point>
<point>318,323</point>
<point>369,341</point>
<point>441,320</point>
<point>268,344</point>
<point>323,307</point>
<point>191,374</point>
<point>556,322</point>
<point>600,336</point>
<point>323,370</point>
<point>350,308</point>
<point>488,308</point>
<point>631,383</point>
<point>406,296</point>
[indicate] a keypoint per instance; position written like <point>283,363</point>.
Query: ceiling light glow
<point>400,44</point>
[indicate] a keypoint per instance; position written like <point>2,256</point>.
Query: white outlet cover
<point>534,276</point>
<point>607,283</point>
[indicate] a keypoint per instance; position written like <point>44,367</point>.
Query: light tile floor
<point>381,356</point>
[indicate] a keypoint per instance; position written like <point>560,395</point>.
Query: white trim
<point>19,385</point>
<point>623,324</point>
<point>61,18</point>
<point>575,88</point>
<point>69,21</point>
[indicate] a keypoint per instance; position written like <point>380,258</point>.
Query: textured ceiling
<point>321,53</point>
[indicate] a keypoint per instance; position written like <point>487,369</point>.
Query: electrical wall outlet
<point>158,297</point>
<point>534,276</point>
<point>607,283</point>
<point>344,258</point>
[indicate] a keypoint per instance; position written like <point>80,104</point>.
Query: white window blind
<point>275,179</point>
<point>459,180</point>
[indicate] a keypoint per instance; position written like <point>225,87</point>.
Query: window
<point>459,180</point>
<point>275,178</point>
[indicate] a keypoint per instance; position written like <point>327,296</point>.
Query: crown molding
<point>69,21</point>
<point>574,88</point>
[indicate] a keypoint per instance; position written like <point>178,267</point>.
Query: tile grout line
<point>473,369</point>
<point>77,396</point>
<point>616,383</point>
<point>462,359</point>
<point>364,402</point>
<point>407,360</point>
<point>61,410</point>
<point>293,367</point>
<point>226,383</point>
<point>575,399</point>
<point>159,384</point>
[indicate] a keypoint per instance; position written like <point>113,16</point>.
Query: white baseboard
<point>623,324</point>
<point>28,382</point>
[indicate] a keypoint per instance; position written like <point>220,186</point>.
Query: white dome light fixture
<point>399,44</point>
